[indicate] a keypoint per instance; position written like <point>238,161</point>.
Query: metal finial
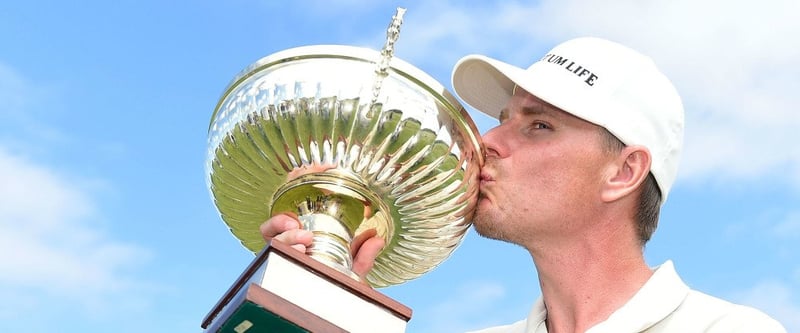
<point>392,34</point>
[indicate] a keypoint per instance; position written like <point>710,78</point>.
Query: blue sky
<point>106,222</point>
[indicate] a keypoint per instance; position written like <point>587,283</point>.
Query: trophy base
<point>284,290</point>
<point>263,311</point>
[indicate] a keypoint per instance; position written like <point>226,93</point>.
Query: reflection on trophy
<point>353,142</point>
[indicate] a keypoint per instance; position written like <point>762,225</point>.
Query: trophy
<point>353,142</point>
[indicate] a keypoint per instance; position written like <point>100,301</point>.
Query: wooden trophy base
<point>284,290</point>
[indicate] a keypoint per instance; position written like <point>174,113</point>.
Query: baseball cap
<point>597,80</point>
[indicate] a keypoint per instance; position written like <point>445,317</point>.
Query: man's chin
<point>485,227</point>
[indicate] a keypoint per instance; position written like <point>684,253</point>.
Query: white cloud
<point>775,299</point>
<point>56,252</point>
<point>50,249</point>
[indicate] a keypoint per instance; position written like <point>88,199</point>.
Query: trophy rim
<point>334,51</point>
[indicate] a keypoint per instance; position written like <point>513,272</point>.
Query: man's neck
<point>585,279</point>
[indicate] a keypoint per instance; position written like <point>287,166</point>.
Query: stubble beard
<point>487,225</point>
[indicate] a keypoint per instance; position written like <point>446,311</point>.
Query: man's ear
<point>627,172</point>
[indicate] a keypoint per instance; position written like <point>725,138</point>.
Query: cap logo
<point>588,77</point>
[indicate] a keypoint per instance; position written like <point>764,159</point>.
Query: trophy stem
<point>331,242</point>
<point>332,250</point>
<point>336,207</point>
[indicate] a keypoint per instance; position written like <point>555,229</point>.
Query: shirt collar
<point>657,298</point>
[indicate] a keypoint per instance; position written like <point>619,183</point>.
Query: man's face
<point>543,172</point>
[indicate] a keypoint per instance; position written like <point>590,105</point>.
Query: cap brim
<point>484,83</point>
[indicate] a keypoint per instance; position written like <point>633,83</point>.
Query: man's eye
<point>540,125</point>
<point>502,117</point>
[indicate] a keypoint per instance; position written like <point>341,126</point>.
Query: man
<point>576,172</point>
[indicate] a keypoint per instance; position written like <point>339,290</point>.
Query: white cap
<point>599,81</point>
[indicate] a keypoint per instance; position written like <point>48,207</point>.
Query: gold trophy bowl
<point>318,131</point>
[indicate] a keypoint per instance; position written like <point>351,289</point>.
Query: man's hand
<point>286,229</point>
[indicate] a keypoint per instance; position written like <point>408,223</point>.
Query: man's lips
<point>483,187</point>
<point>485,180</point>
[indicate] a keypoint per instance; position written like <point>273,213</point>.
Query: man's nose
<point>491,143</point>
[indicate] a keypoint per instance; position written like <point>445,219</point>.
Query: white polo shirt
<point>664,304</point>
